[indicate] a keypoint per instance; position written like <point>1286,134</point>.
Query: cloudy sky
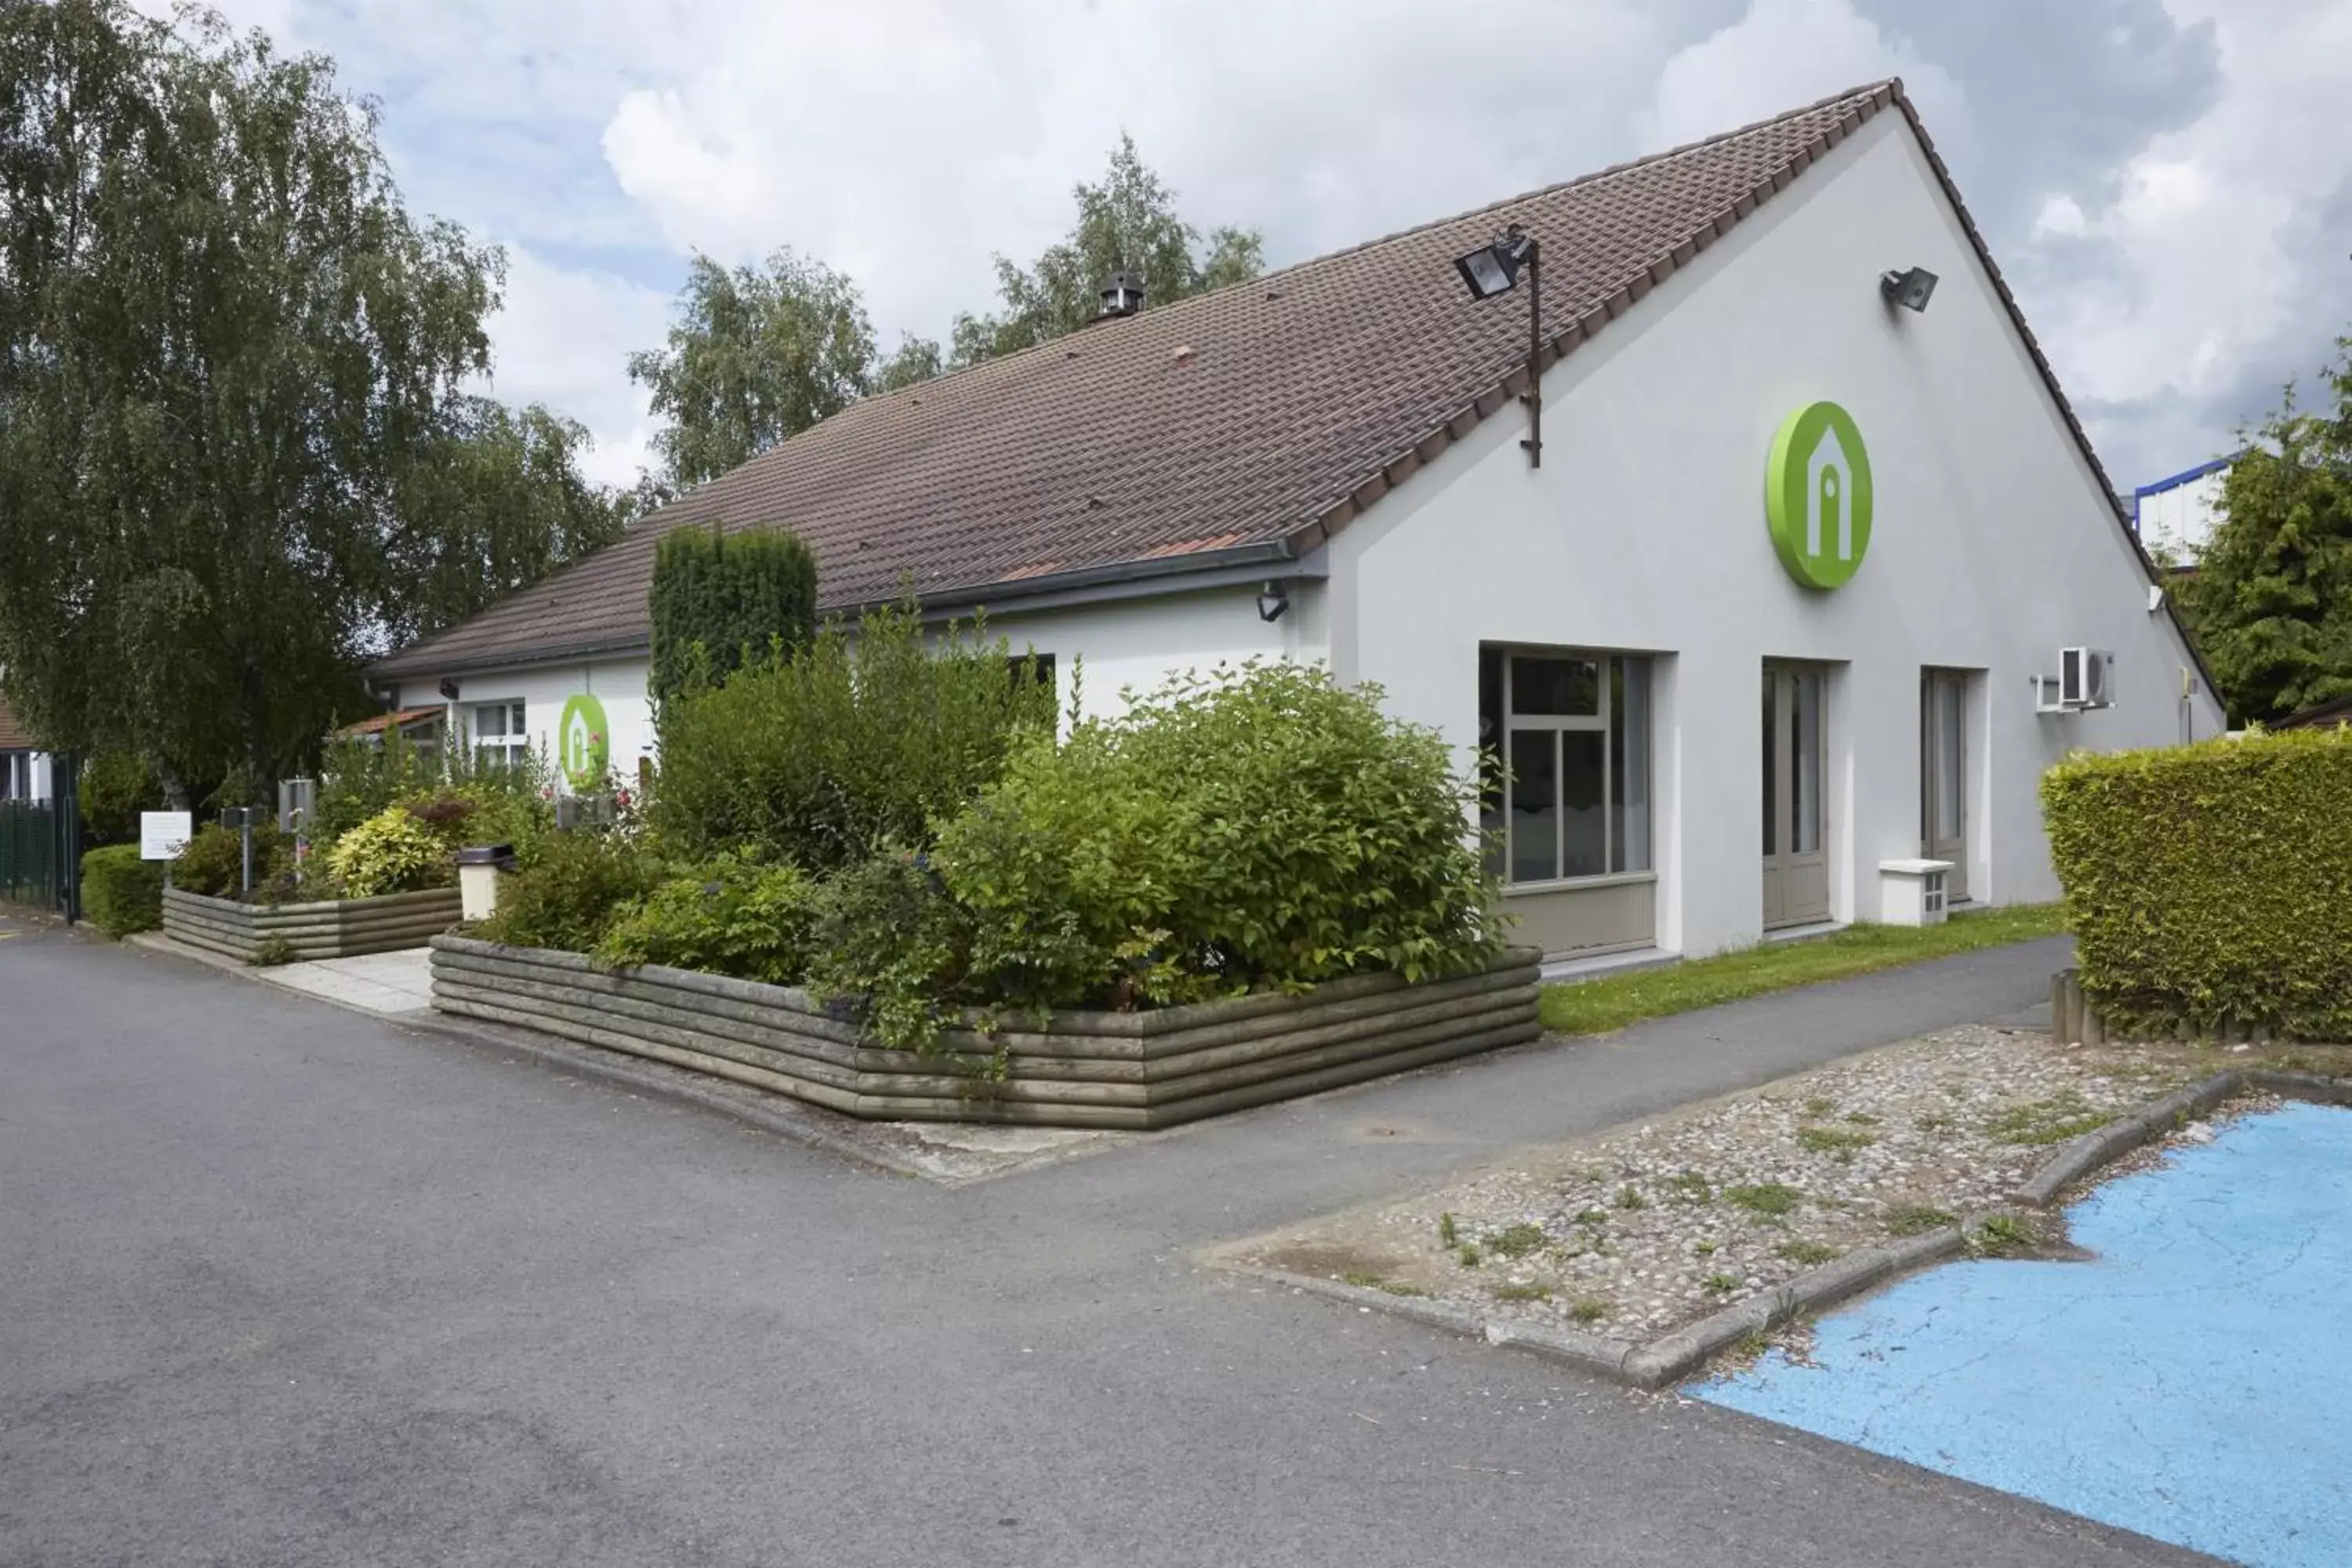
<point>2167,182</point>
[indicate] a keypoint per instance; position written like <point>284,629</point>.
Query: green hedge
<point>720,601</point>
<point>2209,883</point>
<point>120,893</point>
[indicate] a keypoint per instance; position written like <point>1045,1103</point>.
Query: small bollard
<point>479,868</point>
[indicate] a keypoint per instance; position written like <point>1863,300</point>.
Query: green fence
<point>28,853</point>
<point>41,847</point>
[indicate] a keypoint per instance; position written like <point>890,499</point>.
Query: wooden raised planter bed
<point>1131,1070</point>
<point>339,928</point>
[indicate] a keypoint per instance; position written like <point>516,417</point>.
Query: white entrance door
<point>1795,864</point>
<point>1944,774</point>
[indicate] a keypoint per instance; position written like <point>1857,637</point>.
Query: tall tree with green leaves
<point>232,393</point>
<point>1126,222</point>
<point>754,355</point>
<point>2270,600</point>
<point>491,501</point>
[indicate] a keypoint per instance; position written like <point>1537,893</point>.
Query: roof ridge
<point>1864,90</point>
<point>1869,90</point>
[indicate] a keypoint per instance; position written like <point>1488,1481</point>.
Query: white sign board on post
<point>164,833</point>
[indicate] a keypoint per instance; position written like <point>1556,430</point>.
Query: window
<point>1573,730</point>
<point>500,737</point>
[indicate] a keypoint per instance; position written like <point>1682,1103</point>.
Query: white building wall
<point>1111,649</point>
<point>1993,545</point>
<point>618,683</point>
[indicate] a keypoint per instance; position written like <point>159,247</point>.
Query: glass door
<point>1796,863</point>
<point>1944,774</point>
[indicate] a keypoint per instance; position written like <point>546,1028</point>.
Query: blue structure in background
<point>2192,1382</point>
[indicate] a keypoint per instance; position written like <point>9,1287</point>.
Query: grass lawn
<point>1612,1002</point>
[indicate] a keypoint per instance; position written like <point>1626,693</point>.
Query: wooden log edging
<point>1134,1071</point>
<point>342,928</point>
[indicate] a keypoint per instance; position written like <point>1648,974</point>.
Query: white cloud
<point>2061,218</point>
<point>904,144</point>
<point>1786,52</point>
<point>561,339</point>
<point>2204,221</point>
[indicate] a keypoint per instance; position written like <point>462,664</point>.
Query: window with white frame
<point>500,738</point>
<point>1571,729</point>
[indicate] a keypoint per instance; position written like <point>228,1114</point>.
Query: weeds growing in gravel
<point>2001,1235</point>
<point>1690,1187</point>
<point>2065,1114</point>
<point>1522,1293</point>
<point>1468,1256</point>
<point>1841,1141</point>
<point>1447,1234</point>
<point>1766,1200</point>
<point>1721,1284</point>
<point>1628,1198</point>
<point>1808,1253</point>
<point>1517,1241</point>
<point>1590,1309</point>
<point>1916,1219</point>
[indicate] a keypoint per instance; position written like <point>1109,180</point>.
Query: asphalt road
<point>287,1285</point>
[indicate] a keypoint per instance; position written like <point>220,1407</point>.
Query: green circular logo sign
<point>1817,495</point>
<point>584,743</point>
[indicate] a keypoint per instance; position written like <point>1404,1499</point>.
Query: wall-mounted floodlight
<point>448,688</point>
<point>1494,269</point>
<point>1912,287</point>
<point>1272,602</point>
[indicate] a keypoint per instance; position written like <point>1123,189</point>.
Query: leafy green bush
<point>213,862</point>
<point>889,939</point>
<point>720,601</point>
<point>120,893</point>
<point>1264,828</point>
<point>114,788</point>
<point>393,851</point>
<point>854,742</point>
<point>2207,882</point>
<point>358,780</point>
<point>1252,828</point>
<point>483,811</point>
<point>567,900</point>
<point>731,916</point>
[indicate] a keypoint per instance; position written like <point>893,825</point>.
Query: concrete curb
<point>2102,1145</point>
<point>1652,1364</point>
<point>1644,1364</point>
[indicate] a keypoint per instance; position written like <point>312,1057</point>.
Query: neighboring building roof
<point>1233,429</point>
<point>2336,711</point>
<point>14,736</point>
<point>2184,477</point>
<point>404,717</point>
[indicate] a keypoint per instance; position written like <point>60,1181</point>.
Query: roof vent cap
<point>1122,295</point>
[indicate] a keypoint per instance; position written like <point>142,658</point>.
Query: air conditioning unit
<point>2087,678</point>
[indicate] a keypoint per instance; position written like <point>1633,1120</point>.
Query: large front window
<point>1573,730</point>
<point>499,737</point>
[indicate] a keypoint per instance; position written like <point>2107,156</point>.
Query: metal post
<point>1534,442</point>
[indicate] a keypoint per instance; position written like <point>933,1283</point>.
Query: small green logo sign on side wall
<point>1817,495</point>
<point>585,744</point>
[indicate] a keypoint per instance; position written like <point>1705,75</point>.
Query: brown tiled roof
<point>1239,425</point>
<point>14,736</point>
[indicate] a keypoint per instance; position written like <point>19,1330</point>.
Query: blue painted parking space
<point>2189,1381</point>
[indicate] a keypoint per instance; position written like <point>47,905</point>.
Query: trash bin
<point>479,868</point>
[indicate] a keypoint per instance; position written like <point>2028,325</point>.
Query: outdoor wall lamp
<point>1912,287</point>
<point>1272,602</point>
<point>1492,270</point>
<point>449,689</point>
